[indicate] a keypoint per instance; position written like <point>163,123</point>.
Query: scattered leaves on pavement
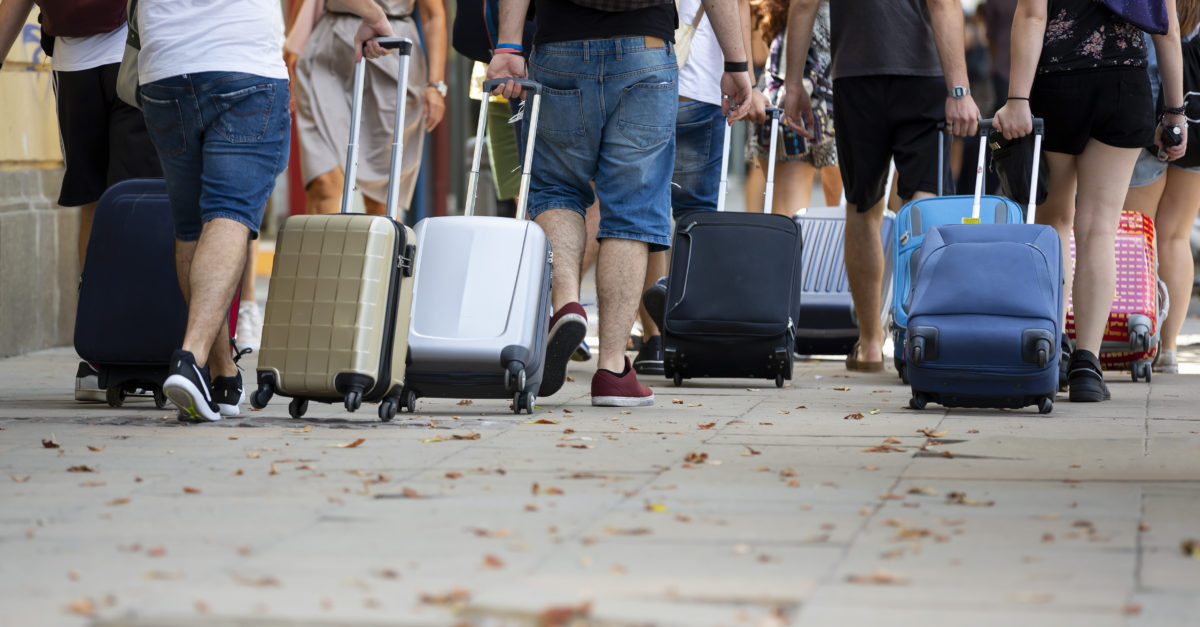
<point>81,469</point>
<point>353,444</point>
<point>50,443</point>
<point>960,498</point>
<point>883,448</point>
<point>455,597</point>
<point>695,458</point>
<point>879,577</point>
<point>931,433</point>
<point>858,415</point>
<point>190,490</point>
<point>543,421</point>
<point>491,562</point>
<point>95,449</point>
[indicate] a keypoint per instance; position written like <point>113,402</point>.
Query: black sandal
<point>1085,380</point>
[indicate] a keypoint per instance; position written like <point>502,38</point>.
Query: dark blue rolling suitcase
<point>985,314</point>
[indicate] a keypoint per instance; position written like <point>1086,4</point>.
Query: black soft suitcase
<point>733,290</point>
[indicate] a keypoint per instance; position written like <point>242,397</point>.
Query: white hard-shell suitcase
<point>481,297</point>
<point>336,322</point>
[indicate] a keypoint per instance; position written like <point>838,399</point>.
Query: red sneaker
<point>610,389</point>
<point>568,327</point>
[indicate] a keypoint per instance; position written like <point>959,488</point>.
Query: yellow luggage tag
<point>970,220</point>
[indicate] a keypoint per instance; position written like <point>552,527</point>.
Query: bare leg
<point>324,193</point>
<point>756,183</point>
<point>864,269</point>
<point>656,267</point>
<point>1176,212</point>
<point>793,187</point>
<point>209,271</point>
<point>1104,173</point>
<point>591,248</point>
<point>622,262</point>
<point>249,274</point>
<point>566,231</point>
<point>1059,209</point>
<point>87,213</point>
<point>831,184</point>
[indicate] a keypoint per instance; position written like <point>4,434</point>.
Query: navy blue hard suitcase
<point>131,314</point>
<point>985,315</point>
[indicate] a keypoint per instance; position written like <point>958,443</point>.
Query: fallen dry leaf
<point>543,421</point>
<point>655,507</point>
<point>1131,609</point>
<point>695,404</point>
<point>931,433</point>
<point>960,498</point>
<point>874,411</point>
<point>95,449</point>
<point>627,531</point>
<point>789,472</point>
<point>947,455</point>
<point>531,507</point>
<point>454,475</point>
<point>880,391</point>
<point>891,441</point>
<point>855,416</point>
<point>972,430</point>
<point>1047,538</point>
<point>707,425</point>
<point>304,430</point>
<point>457,596</point>
<point>1191,548</point>
<point>841,388</point>
<point>353,444</point>
<point>750,451</point>
<point>695,458</point>
<point>469,436</point>
<point>120,501</point>
<point>156,575</point>
<point>466,401</point>
<point>879,577</point>
<point>580,446</point>
<point>677,401</point>
<point>274,469</point>
<point>253,454</point>
<point>20,479</point>
<point>156,551</point>
<point>190,490</point>
<point>410,493</point>
<point>81,469</point>
<point>922,490</point>
<point>883,448</point>
<point>488,533</point>
<point>492,562</point>
<point>50,443</point>
<point>82,606</point>
<point>683,519</point>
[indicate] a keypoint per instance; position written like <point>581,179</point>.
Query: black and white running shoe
<point>188,388</point>
<point>228,393</point>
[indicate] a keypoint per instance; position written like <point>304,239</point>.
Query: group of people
<point>631,132</point>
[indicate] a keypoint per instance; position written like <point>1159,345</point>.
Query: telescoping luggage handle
<point>985,127</point>
<point>768,193</point>
<point>403,46</point>
<point>481,131</point>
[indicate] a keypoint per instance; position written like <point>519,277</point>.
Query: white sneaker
<point>87,384</point>
<point>249,327</point>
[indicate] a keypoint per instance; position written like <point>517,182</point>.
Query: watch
<point>959,91</point>
<point>440,86</point>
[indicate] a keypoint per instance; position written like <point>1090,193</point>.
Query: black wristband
<point>1026,98</point>
<point>1175,110</point>
<point>737,66</point>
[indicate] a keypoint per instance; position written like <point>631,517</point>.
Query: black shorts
<point>104,140</point>
<point>1113,106</point>
<point>879,118</point>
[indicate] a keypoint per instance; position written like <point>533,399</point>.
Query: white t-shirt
<point>189,36</point>
<point>700,76</point>
<point>72,54</point>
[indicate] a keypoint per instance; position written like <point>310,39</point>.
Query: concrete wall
<point>38,252</point>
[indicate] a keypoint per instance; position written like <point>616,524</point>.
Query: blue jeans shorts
<point>699,145</point>
<point>1148,168</point>
<point>608,115</point>
<point>223,138</point>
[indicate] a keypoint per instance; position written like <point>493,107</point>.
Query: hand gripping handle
<point>525,83</point>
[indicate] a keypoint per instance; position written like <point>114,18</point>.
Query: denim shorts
<point>608,115</point>
<point>1148,168</point>
<point>699,145</point>
<point>223,138</point>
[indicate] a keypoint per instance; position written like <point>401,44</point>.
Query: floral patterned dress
<point>1086,35</point>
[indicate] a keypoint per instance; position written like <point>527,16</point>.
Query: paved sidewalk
<point>727,503</point>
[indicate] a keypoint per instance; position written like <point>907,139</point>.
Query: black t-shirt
<point>1085,34</point>
<point>563,20</point>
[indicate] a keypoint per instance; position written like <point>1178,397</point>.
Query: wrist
<point>737,66</point>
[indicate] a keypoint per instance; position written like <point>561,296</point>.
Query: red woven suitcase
<point>1131,338</point>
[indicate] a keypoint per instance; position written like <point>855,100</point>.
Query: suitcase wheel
<point>353,400</point>
<point>1140,370</point>
<point>115,395</point>
<point>387,410</point>
<point>678,379</point>
<point>779,380</point>
<point>408,401</point>
<point>514,376</point>
<point>160,399</point>
<point>260,397</point>
<point>1045,405</point>
<point>297,407</point>
<point>918,401</point>
<point>523,401</point>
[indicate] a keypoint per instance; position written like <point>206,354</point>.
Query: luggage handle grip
<point>404,46</point>
<point>493,83</point>
<point>481,133</point>
<point>985,127</point>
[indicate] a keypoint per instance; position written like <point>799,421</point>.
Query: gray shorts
<point>1149,168</point>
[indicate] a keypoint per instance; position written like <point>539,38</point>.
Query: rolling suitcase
<point>917,217</point>
<point>733,289</point>
<point>984,315</point>
<point>1132,336</point>
<point>336,321</point>
<point>131,315</point>
<point>481,304</point>
<point>827,323</point>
